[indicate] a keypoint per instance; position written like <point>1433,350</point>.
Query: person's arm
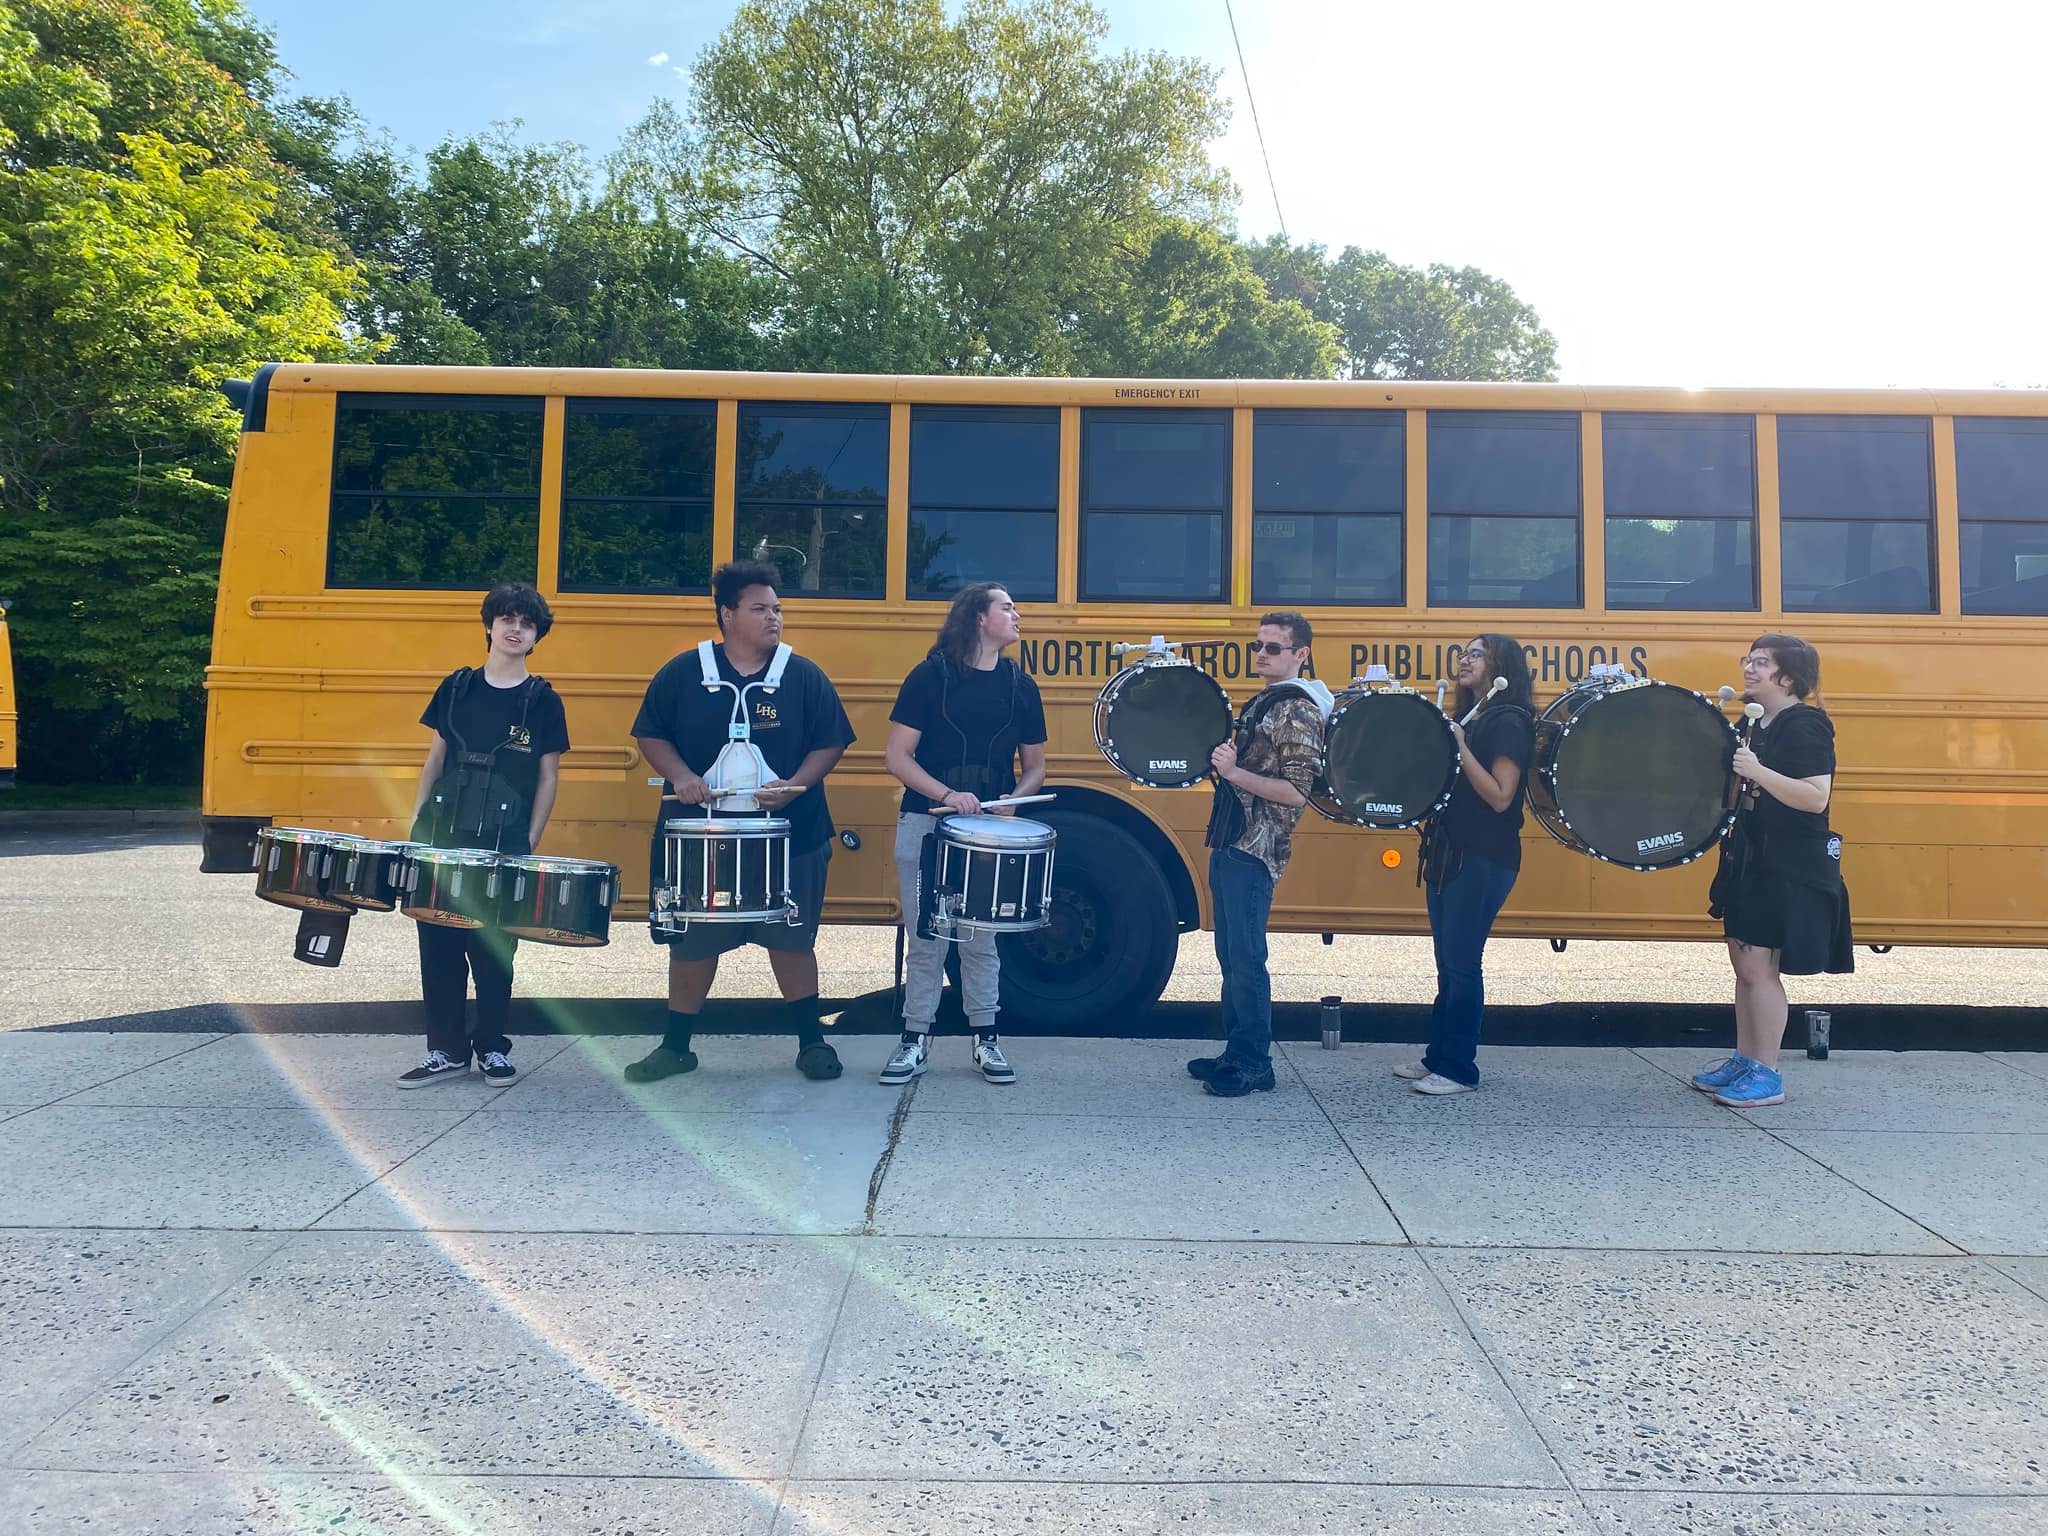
<point>544,796</point>
<point>665,760</point>
<point>1800,794</point>
<point>1031,757</point>
<point>430,773</point>
<point>901,760</point>
<point>1279,791</point>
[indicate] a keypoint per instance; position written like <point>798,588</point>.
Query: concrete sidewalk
<point>248,1286</point>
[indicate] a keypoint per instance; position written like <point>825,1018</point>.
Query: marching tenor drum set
<point>1626,769</point>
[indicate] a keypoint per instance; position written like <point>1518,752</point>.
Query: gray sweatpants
<point>924,960</point>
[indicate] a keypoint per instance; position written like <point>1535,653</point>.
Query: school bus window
<point>1155,495</point>
<point>1504,509</point>
<point>984,499</point>
<point>636,495</point>
<point>1856,503</point>
<point>1328,490</point>
<point>812,495</point>
<point>2002,501</point>
<point>1681,510</point>
<point>434,491</point>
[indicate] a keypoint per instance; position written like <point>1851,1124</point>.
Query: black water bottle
<point>1333,1023</point>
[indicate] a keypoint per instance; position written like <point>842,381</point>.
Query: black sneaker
<point>1202,1068</point>
<point>1231,1081</point>
<point>437,1068</point>
<point>659,1063</point>
<point>498,1069</point>
<point>819,1062</point>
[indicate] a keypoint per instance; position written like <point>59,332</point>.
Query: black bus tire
<point>1113,937</point>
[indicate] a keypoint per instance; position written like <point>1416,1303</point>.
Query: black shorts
<point>704,941</point>
<point>1807,925</point>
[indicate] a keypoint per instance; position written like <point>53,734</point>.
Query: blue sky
<point>1770,192</point>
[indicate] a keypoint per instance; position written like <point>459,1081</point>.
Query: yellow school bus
<point>1904,533</point>
<point>10,751</point>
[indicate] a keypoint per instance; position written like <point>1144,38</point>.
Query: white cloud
<point>682,72</point>
<point>659,59</point>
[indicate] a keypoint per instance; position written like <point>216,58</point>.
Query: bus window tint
<point>1328,491</point>
<point>1680,494</point>
<point>984,499</point>
<point>434,491</point>
<point>2002,502</point>
<point>1504,509</point>
<point>812,495</point>
<point>1155,495</point>
<point>1856,510</point>
<point>636,495</point>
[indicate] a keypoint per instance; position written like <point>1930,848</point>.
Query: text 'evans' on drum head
<point>1390,761</point>
<point>1637,775</point>
<point>1158,724</point>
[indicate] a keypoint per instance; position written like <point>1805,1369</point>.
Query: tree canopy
<point>848,185</point>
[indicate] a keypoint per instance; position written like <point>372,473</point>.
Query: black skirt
<point>1807,924</point>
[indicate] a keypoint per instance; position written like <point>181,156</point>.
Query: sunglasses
<point>1270,647</point>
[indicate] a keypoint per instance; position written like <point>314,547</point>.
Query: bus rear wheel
<point>1112,940</point>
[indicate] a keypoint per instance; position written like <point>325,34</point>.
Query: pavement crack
<point>896,1119</point>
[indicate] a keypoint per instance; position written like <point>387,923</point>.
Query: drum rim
<point>470,858</point>
<point>357,842</point>
<point>726,826</point>
<point>299,835</point>
<point>554,863</point>
<point>960,831</point>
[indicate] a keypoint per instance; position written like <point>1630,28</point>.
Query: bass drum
<point>1635,773</point>
<point>1158,721</point>
<point>1390,760</point>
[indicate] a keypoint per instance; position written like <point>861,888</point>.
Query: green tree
<point>149,248</point>
<point>1399,322</point>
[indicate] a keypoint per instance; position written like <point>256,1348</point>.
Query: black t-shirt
<point>971,724</point>
<point>1800,744</point>
<point>519,726</point>
<point>802,716</point>
<point>1470,824</point>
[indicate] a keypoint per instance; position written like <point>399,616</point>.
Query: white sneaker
<point>1411,1071</point>
<point>910,1060</point>
<point>1440,1086</point>
<point>988,1057</point>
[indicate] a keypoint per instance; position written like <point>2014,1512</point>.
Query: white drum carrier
<point>728,869</point>
<point>994,876</point>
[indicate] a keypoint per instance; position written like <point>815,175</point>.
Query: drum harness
<point>472,798</point>
<point>1226,811</point>
<point>740,769</point>
<point>987,782</point>
<point>1440,862</point>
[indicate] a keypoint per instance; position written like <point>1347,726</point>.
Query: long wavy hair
<point>959,638</point>
<point>1504,658</point>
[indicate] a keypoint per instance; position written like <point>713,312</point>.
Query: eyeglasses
<point>1759,662</point>
<point>1474,653</point>
<point>1270,647</point>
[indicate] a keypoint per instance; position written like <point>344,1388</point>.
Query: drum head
<point>1158,724</point>
<point>1641,774</point>
<point>996,834</point>
<point>1390,761</point>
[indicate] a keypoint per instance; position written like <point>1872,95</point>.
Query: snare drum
<point>293,867</point>
<point>367,872</point>
<point>454,887</point>
<point>557,901</point>
<point>1158,720</point>
<point>723,869</point>
<point>1390,760</point>
<point>1633,772</point>
<point>995,875</point>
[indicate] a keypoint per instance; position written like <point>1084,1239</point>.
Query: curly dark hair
<point>1797,661</point>
<point>518,598</point>
<point>1504,658</point>
<point>733,578</point>
<point>959,638</point>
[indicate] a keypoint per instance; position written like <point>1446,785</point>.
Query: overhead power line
<point>1252,102</point>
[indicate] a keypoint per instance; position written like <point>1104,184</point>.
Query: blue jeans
<point>1241,892</point>
<point>1460,917</point>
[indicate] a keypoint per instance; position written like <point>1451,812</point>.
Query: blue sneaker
<point>1715,1078</point>
<point>1754,1089</point>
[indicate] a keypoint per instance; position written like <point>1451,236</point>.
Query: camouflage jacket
<point>1286,743</point>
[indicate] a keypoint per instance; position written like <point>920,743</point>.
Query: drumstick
<point>792,790</point>
<point>1751,713</point>
<point>1498,684</point>
<point>1441,684</point>
<point>989,805</point>
<point>1727,695</point>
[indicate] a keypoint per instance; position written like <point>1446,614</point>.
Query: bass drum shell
<point>1157,723</point>
<point>294,866</point>
<point>1638,774</point>
<point>557,901</point>
<point>1390,760</point>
